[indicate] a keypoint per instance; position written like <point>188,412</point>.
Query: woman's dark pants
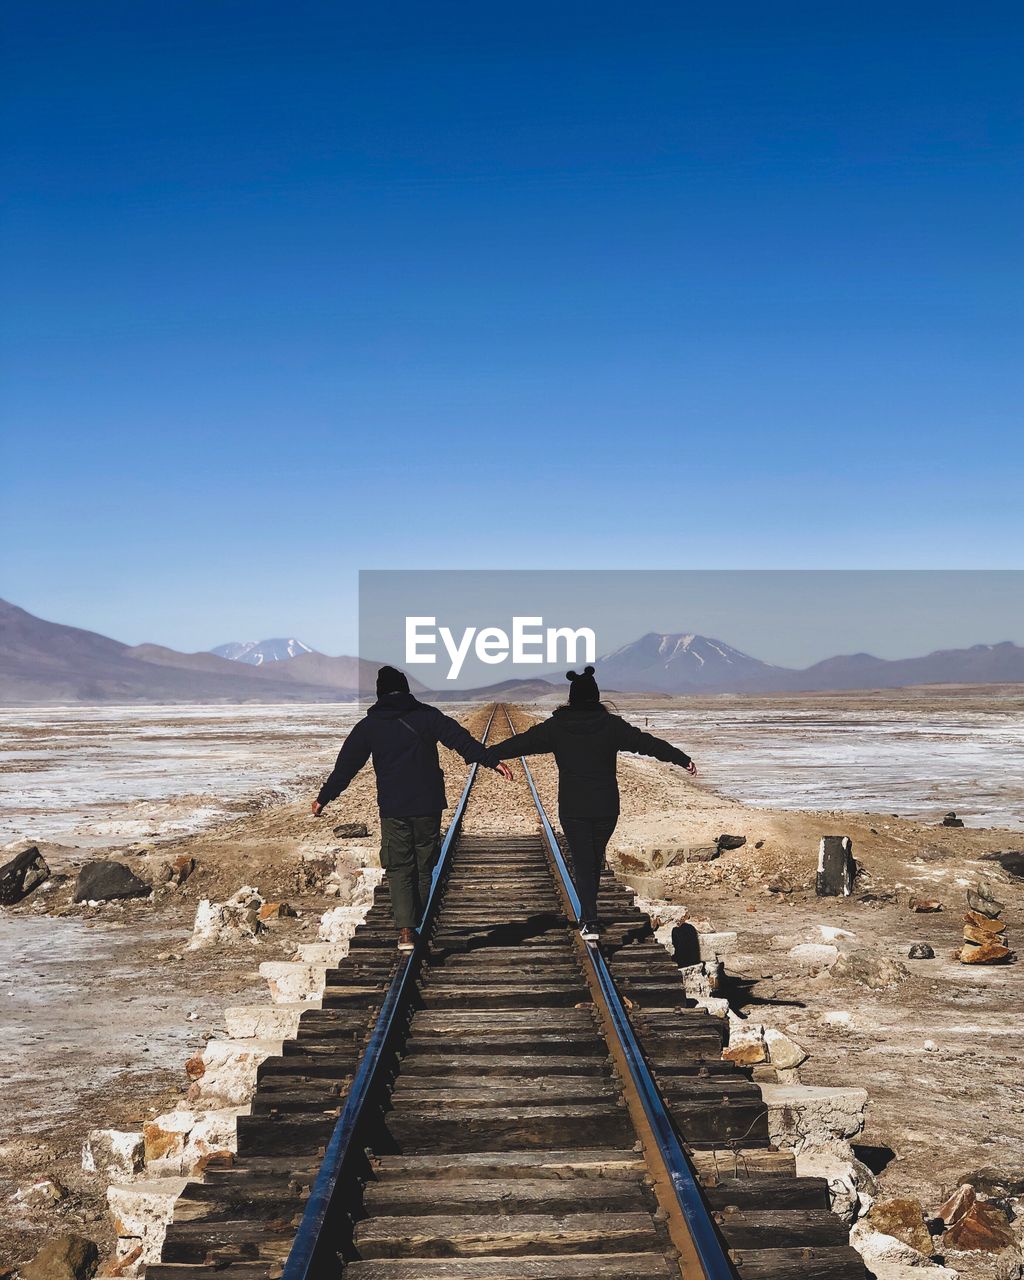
<point>588,839</point>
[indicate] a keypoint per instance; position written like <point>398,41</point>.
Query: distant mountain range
<point>682,663</point>
<point>45,662</point>
<point>258,652</point>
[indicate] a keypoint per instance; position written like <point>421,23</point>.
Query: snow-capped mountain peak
<point>676,661</point>
<point>258,652</point>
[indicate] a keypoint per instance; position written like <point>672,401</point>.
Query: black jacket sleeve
<point>453,735</point>
<point>354,753</point>
<point>534,741</point>
<point>630,738</point>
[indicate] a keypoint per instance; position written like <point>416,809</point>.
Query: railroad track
<point>506,1103</point>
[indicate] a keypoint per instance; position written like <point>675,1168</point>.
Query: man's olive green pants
<point>408,854</point>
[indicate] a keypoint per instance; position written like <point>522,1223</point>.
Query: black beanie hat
<point>391,680</point>
<point>583,688</point>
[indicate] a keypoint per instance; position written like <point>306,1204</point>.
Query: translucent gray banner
<point>465,633</point>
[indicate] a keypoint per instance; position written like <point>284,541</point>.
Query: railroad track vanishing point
<point>506,1103</point>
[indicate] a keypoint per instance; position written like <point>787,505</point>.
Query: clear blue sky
<point>291,290</point>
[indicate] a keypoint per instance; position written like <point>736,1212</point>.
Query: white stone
<point>743,1030</point>
<point>714,1005</point>
<point>338,924</point>
<point>850,1182</point>
<point>814,956</point>
<point>291,980</point>
<point>802,1116</point>
<point>891,1259</point>
<point>830,933</point>
<point>701,980</point>
<point>837,1018</point>
<point>266,1021</point>
<point>714,945</point>
<point>329,954</point>
<point>235,920</point>
<point>116,1153</point>
<point>664,915</point>
<point>782,1051</point>
<point>141,1211</point>
<point>231,1068</point>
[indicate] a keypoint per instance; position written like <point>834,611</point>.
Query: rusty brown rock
<point>985,923</point>
<point>902,1217</point>
<point>195,1067</point>
<point>747,1053</point>
<point>182,867</point>
<point>981,936</point>
<point>921,905</point>
<point>957,1205</point>
<point>275,911</point>
<point>987,953</point>
<point>122,1266</point>
<point>983,1228</point>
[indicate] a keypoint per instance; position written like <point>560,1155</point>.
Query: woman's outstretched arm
<point>630,738</point>
<point>534,741</point>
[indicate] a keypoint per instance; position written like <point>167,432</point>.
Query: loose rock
<point>814,956</point>
<point>903,1218</point>
<point>107,881</point>
<point>731,842</point>
<point>276,911</point>
<point>43,1194</point>
<point>921,951</point>
<point>351,831</point>
<point>25,871</point>
<point>982,900</point>
<point>181,868</point>
<point>235,920</point>
<point>983,1228</point>
<point>951,820</point>
<point>782,1051</point>
<point>873,971</point>
<point>68,1257</point>
<point>836,868</point>
<point>921,905</point>
<point>985,953</point>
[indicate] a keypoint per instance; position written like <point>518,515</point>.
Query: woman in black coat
<point>585,739</point>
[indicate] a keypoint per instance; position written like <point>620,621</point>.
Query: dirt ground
<point>105,1004</point>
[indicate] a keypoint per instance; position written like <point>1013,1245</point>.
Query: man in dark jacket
<point>585,739</point>
<point>401,734</point>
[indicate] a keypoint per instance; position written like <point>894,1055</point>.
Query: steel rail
<point>307,1248</point>
<point>711,1252</point>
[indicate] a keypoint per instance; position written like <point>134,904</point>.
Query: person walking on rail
<point>401,735</point>
<point>585,739</point>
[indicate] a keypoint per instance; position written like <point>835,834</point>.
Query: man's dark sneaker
<point>590,934</point>
<point>407,939</point>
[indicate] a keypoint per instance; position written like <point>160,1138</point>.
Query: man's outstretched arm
<point>457,738</point>
<point>354,753</point>
<point>630,738</point>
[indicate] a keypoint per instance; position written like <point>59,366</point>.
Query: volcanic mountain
<point>258,652</point>
<point>685,663</point>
